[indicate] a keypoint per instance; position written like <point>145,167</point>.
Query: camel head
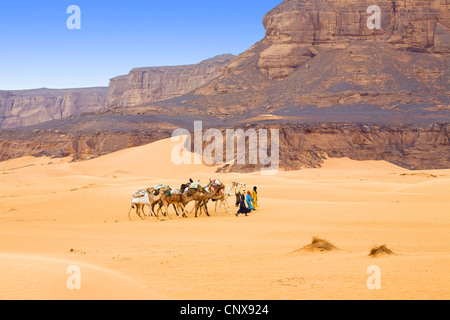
<point>239,186</point>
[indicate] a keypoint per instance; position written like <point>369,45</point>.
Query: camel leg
<point>141,208</point>
<point>181,209</point>
<point>167,207</point>
<point>206,209</point>
<point>220,204</point>
<point>160,210</point>
<point>135,206</point>
<point>192,210</point>
<point>196,209</point>
<point>167,213</point>
<point>137,210</point>
<point>199,207</point>
<point>204,206</point>
<point>153,209</point>
<point>184,211</point>
<point>176,211</point>
<point>129,212</point>
<point>161,206</point>
<point>143,211</point>
<point>227,206</point>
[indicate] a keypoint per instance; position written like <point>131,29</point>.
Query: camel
<point>201,198</point>
<point>139,207</point>
<point>221,199</point>
<point>150,197</point>
<point>182,199</point>
<point>178,200</point>
<point>147,198</point>
<point>164,201</point>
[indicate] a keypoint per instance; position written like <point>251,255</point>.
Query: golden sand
<point>54,214</point>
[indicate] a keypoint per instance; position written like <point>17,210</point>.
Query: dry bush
<point>381,250</point>
<point>318,245</point>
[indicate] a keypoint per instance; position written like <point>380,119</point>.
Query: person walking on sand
<point>249,200</point>
<point>242,207</point>
<point>255,197</point>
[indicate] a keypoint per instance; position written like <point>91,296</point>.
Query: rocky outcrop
<point>297,30</point>
<point>300,145</point>
<point>22,108</point>
<point>78,145</point>
<point>322,54</point>
<point>332,86</point>
<point>308,145</point>
<point>28,107</point>
<point>145,85</point>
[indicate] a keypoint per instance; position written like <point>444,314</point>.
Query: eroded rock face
<point>300,145</point>
<point>308,145</point>
<point>78,145</point>
<point>321,54</point>
<point>318,65</point>
<point>297,30</point>
<point>146,85</point>
<point>29,107</point>
<point>22,108</point>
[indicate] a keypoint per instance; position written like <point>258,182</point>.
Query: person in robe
<point>249,201</point>
<point>242,207</point>
<point>255,197</point>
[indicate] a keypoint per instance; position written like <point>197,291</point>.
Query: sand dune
<point>54,213</point>
<point>43,278</point>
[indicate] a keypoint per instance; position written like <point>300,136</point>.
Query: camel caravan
<point>161,197</point>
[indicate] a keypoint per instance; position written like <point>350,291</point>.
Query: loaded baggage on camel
<point>194,186</point>
<point>140,194</point>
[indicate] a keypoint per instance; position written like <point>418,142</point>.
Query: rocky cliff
<point>333,87</point>
<point>322,54</point>
<point>145,85</point>
<point>79,145</point>
<point>308,145</point>
<point>22,108</point>
<point>28,107</point>
<point>300,145</point>
<point>297,30</point>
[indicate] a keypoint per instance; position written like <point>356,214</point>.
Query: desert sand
<point>54,214</point>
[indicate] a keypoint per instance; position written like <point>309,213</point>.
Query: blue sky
<point>38,50</point>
